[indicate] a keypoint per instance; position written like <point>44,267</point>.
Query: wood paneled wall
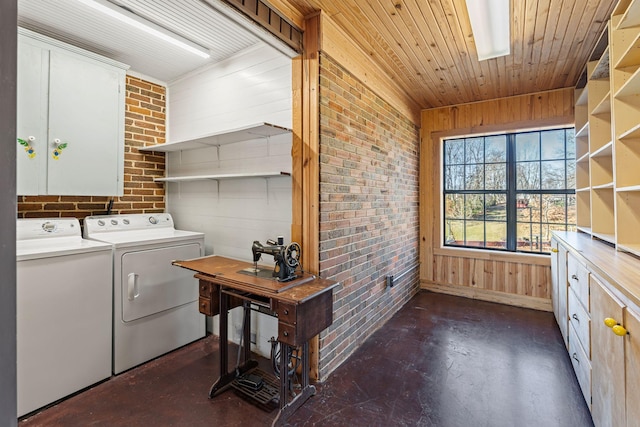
<point>517,279</point>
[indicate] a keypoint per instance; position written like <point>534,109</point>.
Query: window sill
<point>519,257</point>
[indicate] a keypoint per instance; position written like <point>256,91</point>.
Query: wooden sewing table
<point>303,306</point>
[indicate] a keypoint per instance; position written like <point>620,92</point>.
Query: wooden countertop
<point>620,269</point>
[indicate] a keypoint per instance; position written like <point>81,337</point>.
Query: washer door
<point>150,284</point>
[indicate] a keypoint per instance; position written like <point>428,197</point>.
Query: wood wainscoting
<point>517,279</point>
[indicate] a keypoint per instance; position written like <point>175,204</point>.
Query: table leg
<point>225,377</point>
<point>287,408</point>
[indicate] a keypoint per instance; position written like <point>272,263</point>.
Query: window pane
<point>554,208</point>
<point>553,175</point>
<point>528,207</point>
<point>571,210</point>
<point>496,235</point>
<point>474,206</point>
<point>454,152</point>
<point>474,150</point>
<point>474,233</point>
<point>496,149</point>
<point>454,206</point>
<point>528,176</point>
<point>496,207</point>
<point>528,238</point>
<point>552,144</point>
<point>528,146</point>
<point>454,178</point>
<point>474,177</point>
<point>454,233</point>
<point>571,174</point>
<point>495,176</point>
<point>571,143</point>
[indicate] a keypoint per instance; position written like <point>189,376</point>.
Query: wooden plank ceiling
<point>427,46</point>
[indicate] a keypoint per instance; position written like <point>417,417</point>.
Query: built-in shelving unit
<point>247,133</point>
<point>608,184</point>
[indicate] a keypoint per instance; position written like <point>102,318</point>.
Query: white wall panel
<point>253,86</point>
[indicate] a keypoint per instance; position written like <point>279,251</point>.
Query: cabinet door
<point>632,367</point>
<point>33,63</point>
<point>607,359</point>
<point>562,316</point>
<point>85,114</point>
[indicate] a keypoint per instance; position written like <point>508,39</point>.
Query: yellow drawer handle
<point>615,327</point>
<point>554,250</point>
<point>619,330</point>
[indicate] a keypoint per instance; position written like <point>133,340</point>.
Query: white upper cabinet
<point>70,120</point>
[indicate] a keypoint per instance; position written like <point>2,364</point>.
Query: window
<point>509,191</point>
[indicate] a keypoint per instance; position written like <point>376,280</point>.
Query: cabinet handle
<point>554,250</point>
<point>615,326</point>
<point>285,333</point>
<point>575,316</point>
<point>574,277</point>
<point>575,356</point>
<point>286,311</point>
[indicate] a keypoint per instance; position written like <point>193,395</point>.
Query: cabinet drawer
<point>578,277</point>
<point>286,313</point>
<point>581,321</point>
<point>581,364</point>
<point>287,334</point>
<point>204,305</point>
<point>205,288</point>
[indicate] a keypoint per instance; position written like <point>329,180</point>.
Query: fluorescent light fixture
<point>134,20</point>
<point>490,25</point>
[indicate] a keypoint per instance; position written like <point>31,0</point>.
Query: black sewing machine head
<point>287,258</point>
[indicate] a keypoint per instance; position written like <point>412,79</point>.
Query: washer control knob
<point>114,222</point>
<point>101,223</point>
<point>125,221</point>
<point>153,220</point>
<point>49,227</point>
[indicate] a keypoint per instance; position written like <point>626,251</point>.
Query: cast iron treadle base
<point>267,397</point>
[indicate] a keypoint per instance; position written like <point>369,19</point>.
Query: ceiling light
<point>490,25</point>
<point>146,26</point>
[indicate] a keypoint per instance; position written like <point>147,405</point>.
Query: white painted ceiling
<point>196,20</point>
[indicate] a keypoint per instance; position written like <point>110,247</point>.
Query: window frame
<point>511,192</point>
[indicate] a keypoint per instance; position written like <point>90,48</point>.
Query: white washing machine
<point>63,311</point>
<point>155,304</point>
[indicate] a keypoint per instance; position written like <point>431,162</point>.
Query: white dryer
<point>155,304</point>
<point>63,311</point>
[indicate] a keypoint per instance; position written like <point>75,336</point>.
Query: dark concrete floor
<point>441,361</point>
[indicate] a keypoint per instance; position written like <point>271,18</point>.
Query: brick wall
<point>368,209</point>
<point>144,125</point>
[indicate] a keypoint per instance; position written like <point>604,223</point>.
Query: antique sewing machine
<point>286,257</point>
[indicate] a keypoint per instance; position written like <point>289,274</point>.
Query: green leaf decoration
<point>62,146</point>
<point>22,142</point>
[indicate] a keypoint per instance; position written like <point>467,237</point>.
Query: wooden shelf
<point>631,82</point>
<point>631,16</point>
<point>610,238</point>
<point>627,164</point>
<point>583,158</point>
<point>247,133</point>
<point>604,151</point>
<point>632,133</point>
<point>582,131</point>
<point>628,216</point>
<point>603,106</point>
<point>586,230</point>
<point>605,186</point>
<point>629,188</point>
<point>630,248</point>
<point>581,96</point>
<point>223,176</point>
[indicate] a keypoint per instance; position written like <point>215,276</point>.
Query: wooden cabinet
<point>70,120</point>
<point>605,357</point>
